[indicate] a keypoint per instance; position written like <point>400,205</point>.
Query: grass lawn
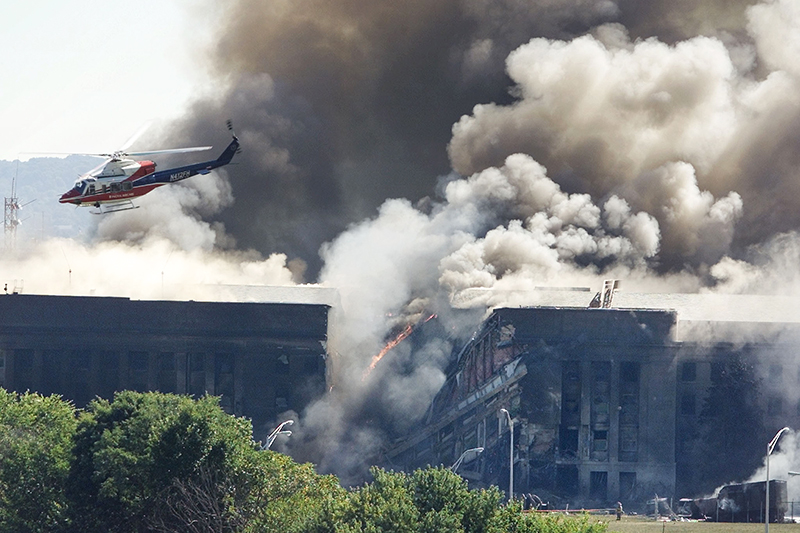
<point>634,524</point>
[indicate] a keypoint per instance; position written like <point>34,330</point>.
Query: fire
<point>391,344</point>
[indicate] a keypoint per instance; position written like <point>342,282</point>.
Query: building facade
<point>261,359</point>
<point>605,403</point>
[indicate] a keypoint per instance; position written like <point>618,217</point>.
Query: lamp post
<point>476,451</point>
<point>510,457</point>
<point>277,431</point>
<point>770,446</point>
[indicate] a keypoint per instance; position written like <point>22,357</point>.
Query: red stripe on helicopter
<point>120,195</point>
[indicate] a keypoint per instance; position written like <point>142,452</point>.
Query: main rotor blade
<point>64,153</point>
<point>171,151</point>
<point>143,128</point>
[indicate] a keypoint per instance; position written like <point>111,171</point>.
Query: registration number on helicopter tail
<point>179,175</point>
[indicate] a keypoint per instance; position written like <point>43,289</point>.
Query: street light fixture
<point>476,451</point>
<point>277,431</point>
<point>511,456</point>
<point>771,446</point>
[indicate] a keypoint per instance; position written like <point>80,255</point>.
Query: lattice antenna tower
<point>11,214</point>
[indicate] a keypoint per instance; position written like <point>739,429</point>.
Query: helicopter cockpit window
<point>80,186</point>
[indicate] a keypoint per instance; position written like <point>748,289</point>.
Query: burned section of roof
<point>574,325</point>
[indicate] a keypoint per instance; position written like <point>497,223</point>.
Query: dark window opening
<point>167,376</point>
<point>629,372</point>
<point>628,444</point>
<point>223,380</point>
<point>567,479</point>
<point>137,371</point>
<point>688,404</point>
<point>600,441</point>
<point>196,371</point>
<point>598,486</point>
<point>688,371</point>
<point>627,485</point>
<point>717,370</point>
<point>568,442</point>
<point>23,370</point>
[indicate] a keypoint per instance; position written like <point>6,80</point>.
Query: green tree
<point>35,443</point>
<point>426,501</point>
<point>289,497</point>
<point>160,461</point>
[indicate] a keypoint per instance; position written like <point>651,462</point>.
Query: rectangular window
<point>627,485</point>
<point>81,362</point>
<point>628,444</point>
<point>689,371</point>
<point>598,486</point>
<point>600,441</point>
<point>567,479</point>
<point>223,380</point>
<point>570,394</point>
<point>137,371</point>
<point>471,440</point>
<point>568,442</point>
<point>688,404</point>
<point>717,370</point>
<point>167,376</point>
<point>52,373</point>
<point>480,429</point>
<point>23,370</point>
<point>196,372</point>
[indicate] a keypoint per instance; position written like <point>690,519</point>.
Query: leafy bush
<point>161,462</point>
<point>35,447</point>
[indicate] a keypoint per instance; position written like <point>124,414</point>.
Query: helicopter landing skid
<point>102,209</point>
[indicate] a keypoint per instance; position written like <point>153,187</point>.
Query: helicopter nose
<point>65,198</point>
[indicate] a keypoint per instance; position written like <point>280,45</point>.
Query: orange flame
<point>391,344</point>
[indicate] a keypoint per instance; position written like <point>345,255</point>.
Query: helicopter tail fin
<point>229,152</point>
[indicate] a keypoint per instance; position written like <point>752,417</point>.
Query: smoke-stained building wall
<point>607,405</point>
<point>262,359</point>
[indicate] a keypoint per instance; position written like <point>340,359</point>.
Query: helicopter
<point>111,186</point>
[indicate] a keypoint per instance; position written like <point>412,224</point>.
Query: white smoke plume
<point>668,127</point>
<point>155,269</point>
<point>651,143</point>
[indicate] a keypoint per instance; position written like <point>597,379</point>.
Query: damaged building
<point>606,406</point>
<point>262,359</point>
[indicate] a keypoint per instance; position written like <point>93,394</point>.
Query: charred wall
<point>590,393</point>
<point>261,358</point>
<point>608,405</point>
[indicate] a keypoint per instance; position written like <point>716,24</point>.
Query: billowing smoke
<point>520,145</point>
<point>153,269</point>
<point>343,104</point>
<point>175,214</point>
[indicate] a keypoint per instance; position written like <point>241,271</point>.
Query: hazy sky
<point>85,75</point>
